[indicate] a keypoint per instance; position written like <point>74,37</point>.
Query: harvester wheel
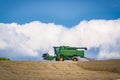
<point>75,59</point>
<point>61,59</point>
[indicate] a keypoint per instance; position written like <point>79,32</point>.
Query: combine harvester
<point>66,53</point>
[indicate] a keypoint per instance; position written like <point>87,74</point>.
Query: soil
<point>67,70</point>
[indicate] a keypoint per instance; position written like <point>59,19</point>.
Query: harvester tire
<point>61,58</point>
<point>75,59</point>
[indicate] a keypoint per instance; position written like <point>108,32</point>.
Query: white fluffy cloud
<point>33,39</point>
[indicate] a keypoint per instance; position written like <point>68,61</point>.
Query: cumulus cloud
<point>33,39</point>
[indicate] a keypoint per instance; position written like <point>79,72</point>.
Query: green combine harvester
<point>66,53</point>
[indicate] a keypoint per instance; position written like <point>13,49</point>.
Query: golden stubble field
<point>67,70</point>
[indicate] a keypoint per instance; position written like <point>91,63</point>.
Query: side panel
<point>68,52</point>
<point>72,53</point>
<point>80,53</point>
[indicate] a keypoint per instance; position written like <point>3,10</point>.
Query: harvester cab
<point>66,53</point>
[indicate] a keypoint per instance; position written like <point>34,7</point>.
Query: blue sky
<point>64,12</point>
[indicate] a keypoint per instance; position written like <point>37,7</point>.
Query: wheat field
<point>67,70</point>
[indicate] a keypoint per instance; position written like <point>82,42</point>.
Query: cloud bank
<point>32,39</point>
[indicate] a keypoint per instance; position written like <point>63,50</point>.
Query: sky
<point>63,12</point>
<point>29,28</point>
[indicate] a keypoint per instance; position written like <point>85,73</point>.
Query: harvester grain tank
<point>66,53</point>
